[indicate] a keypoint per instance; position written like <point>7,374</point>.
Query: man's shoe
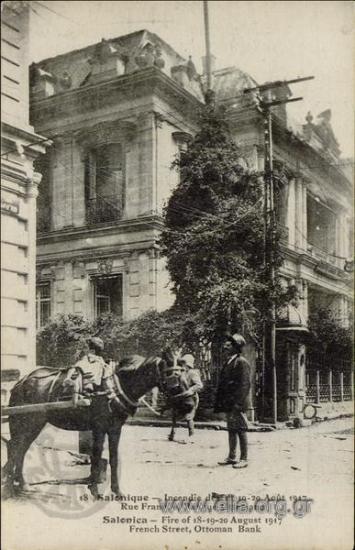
<point>240,464</point>
<point>227,462</point>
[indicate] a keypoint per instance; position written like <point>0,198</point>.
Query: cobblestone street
<point>315,460</point>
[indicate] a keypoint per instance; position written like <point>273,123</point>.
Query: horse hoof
<point>117,492</point>
<point>7,491</point>
<point>171,438</point>
<point>94,491</point>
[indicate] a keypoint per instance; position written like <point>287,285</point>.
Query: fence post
<point>341,386</point>
<point>330,386</point>
<point>317,387</point>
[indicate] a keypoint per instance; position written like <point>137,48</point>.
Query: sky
<point>270,40</point>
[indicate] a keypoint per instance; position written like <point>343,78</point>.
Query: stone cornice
<point>250,117</point>
<point>302,258</point>
<point>91,97</point>
<point>100,253</point>
<point>30,140</point>
<point>106,132</point>
<point>15,175</point>
<point>144,223</point>
<point>311,160</point>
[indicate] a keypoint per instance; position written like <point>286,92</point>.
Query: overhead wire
<point>51,10</point>
<point>185,208</point>
<point>192,210</point>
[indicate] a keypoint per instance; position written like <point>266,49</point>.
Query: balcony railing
<point>324,256</point>
<point>103,209</point>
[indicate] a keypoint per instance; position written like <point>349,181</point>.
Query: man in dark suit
<point>232,399</point>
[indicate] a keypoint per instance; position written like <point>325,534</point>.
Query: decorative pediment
<point>106,132</point>
<point>181,137</point>
<point>323,132</point>
<point>149,55</point>
<point>186,75</point>
<point>107,62</point>
<point>105,266</point>
<point>45,273</point>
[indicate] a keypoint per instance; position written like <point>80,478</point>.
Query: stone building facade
<point>118,113</point>
<point>20,146</point>
<point>313,208</point>
<point>117,119</point>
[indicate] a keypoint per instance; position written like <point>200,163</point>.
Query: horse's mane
<point>133,362</point>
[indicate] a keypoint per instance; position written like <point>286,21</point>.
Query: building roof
<point>142,48</point>
<point>229,83</point>
<point>77,64</point>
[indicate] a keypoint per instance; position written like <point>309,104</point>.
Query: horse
<point>133,377</point>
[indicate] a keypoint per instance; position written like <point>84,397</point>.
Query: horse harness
<point>122,400</point>
<point>128,405</point>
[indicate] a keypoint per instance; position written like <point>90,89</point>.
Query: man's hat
<point>238,340</point>
<point>188,360</point>
<point>96,342</point>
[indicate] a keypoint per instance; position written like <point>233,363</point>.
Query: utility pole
<point>208,45</point>
<point>270,223</point>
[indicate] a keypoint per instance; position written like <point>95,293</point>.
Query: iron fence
<point>329,386</point>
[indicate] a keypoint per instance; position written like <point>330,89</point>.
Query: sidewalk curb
<point>256,427</point>
<point>217,426</point>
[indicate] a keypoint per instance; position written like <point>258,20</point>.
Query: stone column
<point>299,223</point>
<point>62,188</point>
<point>31,200</point>
<point>158,124</point>
<point>68,160</point>
<point>304,216</point>
<point>343,238</point>
<point>291,213</point>
<point>153,275</point>
<point>146,176</point>
<point>78,185</point>
<point>304,303</point>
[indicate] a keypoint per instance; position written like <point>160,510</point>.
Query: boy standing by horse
<point>184,404</point>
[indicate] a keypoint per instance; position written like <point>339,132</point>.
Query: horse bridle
<point>164,376</point>
<point>128,404</point>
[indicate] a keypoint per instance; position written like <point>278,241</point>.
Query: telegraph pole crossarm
<point>276,84</point>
